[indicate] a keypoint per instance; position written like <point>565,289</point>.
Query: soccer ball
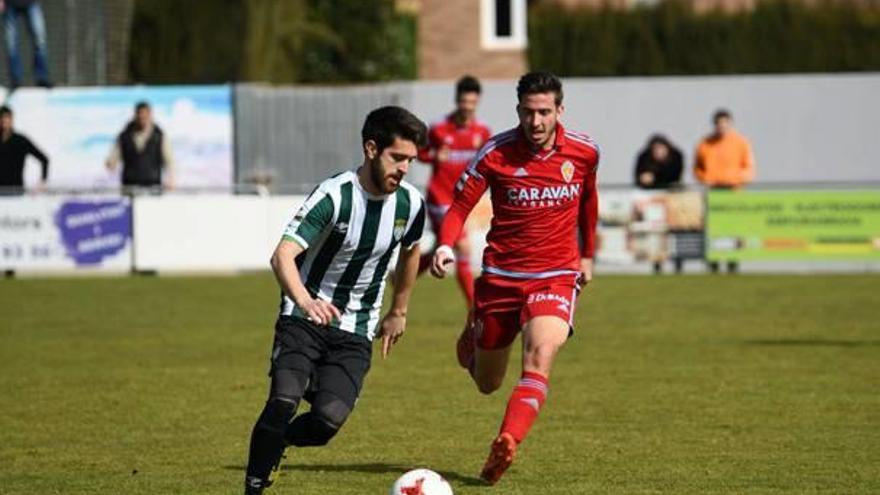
<point>421,482</point>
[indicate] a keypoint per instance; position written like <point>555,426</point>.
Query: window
<point>503,24</point>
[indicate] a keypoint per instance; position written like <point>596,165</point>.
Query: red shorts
<point>503,305</point>
<point>436,213</point>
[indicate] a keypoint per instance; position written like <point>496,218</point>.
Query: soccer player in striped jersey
<point>331,264</point>
<point>542,181</point>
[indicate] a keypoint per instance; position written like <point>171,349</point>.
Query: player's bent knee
<point>489,385</point>
<point>542,352</point>
<point>317,427</point>
<point>540,357</point>
<point>277,414</point>
<point>290,383</point>
<point>331,410</point>
<point>487,388</point>
<point>312,431</point>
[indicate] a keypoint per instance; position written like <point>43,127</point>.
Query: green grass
<point>678,385</point>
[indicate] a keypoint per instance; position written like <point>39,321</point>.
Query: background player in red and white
<point>542,181</point>
<point>452,143</point>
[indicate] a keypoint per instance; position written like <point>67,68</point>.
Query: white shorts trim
<point>526,275</point>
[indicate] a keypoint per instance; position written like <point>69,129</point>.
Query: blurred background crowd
<point>236,97</point>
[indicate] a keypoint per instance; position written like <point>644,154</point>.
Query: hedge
<point>669,38</point>
<point>281,41</point>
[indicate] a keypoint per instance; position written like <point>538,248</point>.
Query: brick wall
<point>449,44</point>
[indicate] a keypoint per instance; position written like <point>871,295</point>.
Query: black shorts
<point>335,361</point>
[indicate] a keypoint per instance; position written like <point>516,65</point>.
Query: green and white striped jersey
<point>350,236</point>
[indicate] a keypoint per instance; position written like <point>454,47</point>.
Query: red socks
<point>525,402</point>
<point>465,279</point>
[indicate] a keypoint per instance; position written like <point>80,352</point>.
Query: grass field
<point>678,385</point>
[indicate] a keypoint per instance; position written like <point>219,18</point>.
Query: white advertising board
<point>65,233</point>
<point>209,232</point>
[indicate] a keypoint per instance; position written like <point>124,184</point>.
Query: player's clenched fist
<point>585,275</point>
<point>443,257</point>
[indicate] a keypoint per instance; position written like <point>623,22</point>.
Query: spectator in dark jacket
<point>659,164</point>
<point>145,152</point>
<point>14,148</point>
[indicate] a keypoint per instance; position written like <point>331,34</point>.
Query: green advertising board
<point>793,225</point>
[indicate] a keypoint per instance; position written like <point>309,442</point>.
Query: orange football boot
<point>500,458</point>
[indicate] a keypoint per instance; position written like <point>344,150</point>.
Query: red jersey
<point>456,146</point>
<point>541,200</point>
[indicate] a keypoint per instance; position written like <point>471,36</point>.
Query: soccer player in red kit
<point>542,181</point>
<point>452,143</point>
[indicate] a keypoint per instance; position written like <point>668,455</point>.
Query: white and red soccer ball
<point>421,482</point>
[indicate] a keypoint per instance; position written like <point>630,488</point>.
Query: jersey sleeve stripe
<point>314,221</point>
<point>311,218</point>
<point>293,237</point>
<point>490,145</point>
<point>583,139</point>
<point>487,148</point>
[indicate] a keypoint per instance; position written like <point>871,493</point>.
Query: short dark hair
<point>539,82</point>
<point>467,84</point>
<point>141,105</point>
<point>5,110</point>
<point>721,113</point>
<point>386,123</point>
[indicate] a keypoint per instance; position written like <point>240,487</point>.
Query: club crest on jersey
<point>399,227</point>
<point>567,170</point>
<point>341,227</point>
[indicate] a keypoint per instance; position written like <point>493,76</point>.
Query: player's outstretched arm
<point>284,266</point>
<point>394,322</point>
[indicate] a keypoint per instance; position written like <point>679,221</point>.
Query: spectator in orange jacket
<point>724,158</point>
<point>724,161</point>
